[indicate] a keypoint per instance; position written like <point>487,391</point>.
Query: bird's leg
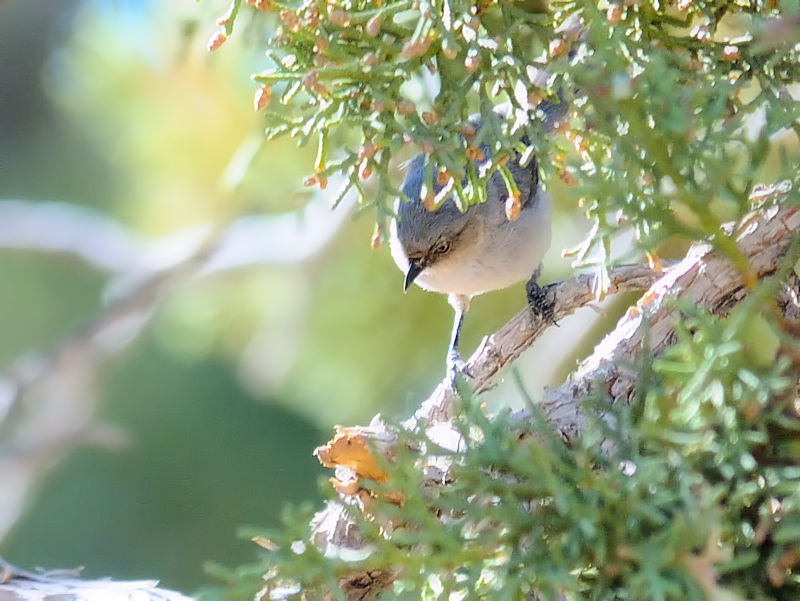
<point>541,303</point>
<point>454,360</point>
<point>460,305</point>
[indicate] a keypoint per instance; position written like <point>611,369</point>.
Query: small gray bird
<point>464,254</point>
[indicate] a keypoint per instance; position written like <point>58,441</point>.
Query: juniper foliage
<point>676,111</point>
<point>690,493</point>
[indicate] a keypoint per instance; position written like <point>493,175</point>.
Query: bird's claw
<point>456,365</point>
<point>542,301</point>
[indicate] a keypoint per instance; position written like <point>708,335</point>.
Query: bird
<point>464,254</point>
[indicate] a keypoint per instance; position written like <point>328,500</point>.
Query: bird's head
<point>422,239</point>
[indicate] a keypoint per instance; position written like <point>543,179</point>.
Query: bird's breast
<point>501,256</point>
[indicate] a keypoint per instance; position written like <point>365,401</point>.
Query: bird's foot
<point>456,365</point>
<point>542,301</point>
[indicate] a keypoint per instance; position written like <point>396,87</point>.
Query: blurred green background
<point>140,458</point>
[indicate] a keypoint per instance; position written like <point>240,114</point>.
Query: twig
<point>61,378</point>
<point>23,585</point>
<point>111,247</point>
<point>705,277</point>
<point>511,340</point>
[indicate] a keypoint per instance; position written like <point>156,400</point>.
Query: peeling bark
<point>704,277</point>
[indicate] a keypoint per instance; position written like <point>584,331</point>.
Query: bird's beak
<point>414,269</point>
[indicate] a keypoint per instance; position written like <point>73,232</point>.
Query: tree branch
<point>62,377</point>
<point>512,339</point>
<point>109,246</point>
<point>704,277</point>
<point>22,585</point>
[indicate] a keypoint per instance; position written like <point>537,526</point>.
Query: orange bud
<point>320,44</point>
<point>312,16</point>
<point>311,180</point>
<point>265,543</point>
<point>429,201</point>
<point>339,17</point>
<point>751,410</point>
<point>415,48</point>
<point>471,63</point>
<point>654,261</point>
<point>449,51</point>
<point>217,40</point>
<point>364,170</point>
<point>535,97</point>
<point>429,117</point>
<point>309,80</point>
<point>580,143</point>
<point>370,59</point>
<point>474,153</point>
<point>614,14</point>
<point>290,20</point>
<point>405,107</point>
<point>513,207</point>
<point>730,53</point>
<point>467,130</point>
<point>367,150</point>
<point>261,98</point>
<point>557,47</point>
<point>373,27</point>
<point>442,176</point>
<point>375,242</point>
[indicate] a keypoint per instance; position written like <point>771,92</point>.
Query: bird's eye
<point>442,247</point>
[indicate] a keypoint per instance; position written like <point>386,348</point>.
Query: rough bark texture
<point>704,277</point>
<point>21,585</point>
<point>511,340</point>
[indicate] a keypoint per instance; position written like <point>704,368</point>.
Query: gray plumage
<point>464,254</point>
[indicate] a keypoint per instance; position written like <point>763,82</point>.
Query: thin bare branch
<point>22,585</point>
<point>704,277</point>
<point>511,340</point>
<point>111,247</point>
<point>62,378</point>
